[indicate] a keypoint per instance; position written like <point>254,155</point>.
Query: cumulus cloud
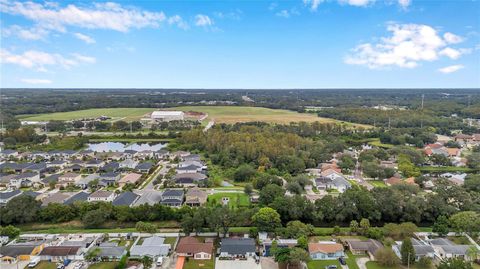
<point>85,38</point>
<point>111,16</point>
<point>313,4</point>
<point>451,68</point>
<point>39,60</point>
<point>178,21</point>
<point>452,38</point>
<point>36,81</point>
<point>284,13</point>
<point>203,20</point>
<point>408,45</point>
<point>404,3</point>
<point>357,3</point>
<point>34,33</point>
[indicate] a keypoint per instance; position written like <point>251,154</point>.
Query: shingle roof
<point>237,246</point>
<point>125,198</point>
<point>9,194</point>
<point>81,196</point>
<point>192,245</point>
<point>60,250</point>
<point>328,247</point>
<point>111,251</point>
<point>16,250</point>
<point>101,194</point>
<point>169,192</point>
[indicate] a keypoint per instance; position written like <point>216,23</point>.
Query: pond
<point>120,147</point>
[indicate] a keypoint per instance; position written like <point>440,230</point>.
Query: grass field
<point>220,114</point>
<point>46,265</point>
<point>377,183</point>
<point>322,264</point>
<point>236,199</point>
<point>103,265</point>
<point>199,264</point>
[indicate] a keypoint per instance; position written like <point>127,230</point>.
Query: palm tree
<point>147,262</point>
<point>472,253</point>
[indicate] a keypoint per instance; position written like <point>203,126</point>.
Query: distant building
<point>165,116</point>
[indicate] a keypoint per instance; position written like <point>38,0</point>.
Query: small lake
<point>121,147</point>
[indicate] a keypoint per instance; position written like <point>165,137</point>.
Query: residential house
<point>20,251</point>
<point>189,169</point>
<point>61,253</point>
<point>109,179</point>
<point>94,164</point>
<point>67,179</point>
<point>110,167</point>
<point>129,153</point>
<point>363,247</point>
<point>281,243</point>
<point>85,180</point>
<point>237,247</point>
<point>109,252</point>
<point>57,164</point>
<point>446,249</point>
<point>192,158</point>
<point>149,197</point>
<point>144,167</point>
<point>27,179</point>
<point>152,246</point>
<point>190,179</point>
<point>5,197</point>
<point>78,197</point>
<point>38,168</point>
<point>58,197</point>
<point>128,164</point>
<point>130,178</point>
<point>192,247</point>
<point>421,249</point>
<point>8,153</point>
<point>172,197</point>
<point>326,250</point>
<point>195,197</point>
<point>334,181</point>
<point>125,198</point>
<point>102,196</point>
<point>464,139</point>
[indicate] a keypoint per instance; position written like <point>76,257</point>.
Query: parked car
<point>331,266</point>
<point>159,261</point>
<point>342,261</point>
<point>33,262</point>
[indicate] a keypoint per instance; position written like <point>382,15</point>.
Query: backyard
<point>236,199</point>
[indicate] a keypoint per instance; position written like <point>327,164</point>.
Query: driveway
<point>19,265</point>
<point>362,262</point>
<point>237,264</point>
<point>268,263</point>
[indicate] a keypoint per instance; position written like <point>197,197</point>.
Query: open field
<point>236,199</point>
<point>220,114</point>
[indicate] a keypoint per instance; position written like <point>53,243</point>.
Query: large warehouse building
<point>163,115</point>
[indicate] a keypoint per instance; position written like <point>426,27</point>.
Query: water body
<point>121,147</point>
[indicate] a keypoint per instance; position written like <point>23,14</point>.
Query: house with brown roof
<point>61,253</point>
<point>325,250</point>
<point>67,179</point>
<point>191,247</point>
<point>362,247</point>
<point>195,197</point>
<point>131,178</point>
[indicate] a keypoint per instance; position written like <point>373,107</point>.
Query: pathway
<point>362,262</point>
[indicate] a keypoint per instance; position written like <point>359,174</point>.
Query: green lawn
<point>322,264</point>
<point>375,265</point>
<point>377,183</point>
<point>46,265</point>
<point>170,240</point>
<point>445,169</point>
<point>351,263</point>
<point>199,264</point>
<point>236,199</point>
<point>103,265</point>
<point>220,114</point>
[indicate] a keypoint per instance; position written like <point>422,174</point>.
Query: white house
<point>102,196</point>
<point>163,115</point>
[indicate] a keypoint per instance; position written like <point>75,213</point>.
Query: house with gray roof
<point>149,197</point>
<point>332,182</point>
<point>237,247</point>
<point>78,197</point>
<point>446,249</point>
<point>144,167</point>
<point>152,246</point>
<point>172,197</point>
<point>189,179</point>
<point>110,253</point>
<point>5,197</point>
<point>421,249</point>
<point>126,198</point>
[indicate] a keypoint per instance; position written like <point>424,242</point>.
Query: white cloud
<point>408,45</point>
<point>39,60</point>
<point>203,20</point>
<point>178,21</point>
<point>232,15</point>
<point>85,38</point>
<point>313,4</point>
<point>111,16</point>
<point>452,38</point>
<point>404,3</point>
<point>357,3</point>
<point>451,68</point>
<point>34,33</point>
<point>36,81</point>
<point>283,13</point>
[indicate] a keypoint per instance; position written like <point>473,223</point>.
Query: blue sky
<point>240,44</point>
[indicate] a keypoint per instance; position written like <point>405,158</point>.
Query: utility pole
<point>389,122</point>
<point>423,98</point>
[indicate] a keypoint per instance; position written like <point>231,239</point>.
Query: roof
<point>101,194</point>
<point>192,176</point>
<point>78,197</point>
<point>370,245</point>
<point>149,197</point>
<point>9,194</point>
<point>456,249</point>
<point>69,175</point>
<point>58,197</point>
<point>239,246</point>
<point>422,250</point>
<point>16,250</point>
<point>196,195</point>
<point>144,165</point>
<point>31,193</point>
<point>170,192</point>
<point>441,242</point>
<point>324,247</point>
<point>162,113</point>
<point>152,246</point>
<point>125,198</point>
<point>60,250</point>
<point>130,178</point>
<point>192,245</point>
<point>393,181</point>
<point>110,251</point>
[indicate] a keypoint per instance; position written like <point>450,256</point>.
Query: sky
<point>240,44</point>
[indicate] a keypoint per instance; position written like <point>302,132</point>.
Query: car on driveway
<point>342,261</point>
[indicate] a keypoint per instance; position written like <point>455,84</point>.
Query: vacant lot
<point>220,114</point>
<point>236,199</point>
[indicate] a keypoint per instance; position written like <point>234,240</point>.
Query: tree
<point>441,226</point>
<point>386,257</point>
<point>406,166</point>
<point>364,225</point>
<point>94,218</point>
<point>472,253</point>
<point>347,163</point>
<point>302,242</point>
<point>473,160</point>
<point>294,187</point>
<point>269,193</point>
<point>298,255</point>
<point>467,221</point>
<point>145,227</point>
<point>147,262</point>
<point>21,209</point>
<point>296,228</point>
<point>424,263</point>
<point>472,183</point>
<point>354,226</point>
<point>408,252</point>
<point>244,173</point>
<point>455,263</point>
<point>267,219</point>
<point>10,231</point>
<point>248,189</point>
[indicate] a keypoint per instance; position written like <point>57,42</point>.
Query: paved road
<point>162,170</point>
<point>357,175</point>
